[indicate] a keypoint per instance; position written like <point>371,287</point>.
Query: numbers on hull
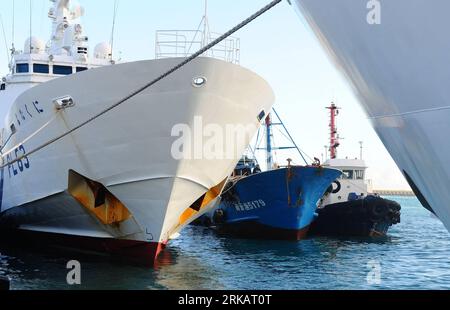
<point>21,162</point>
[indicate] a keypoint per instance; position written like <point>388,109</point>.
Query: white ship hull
<point>400,71</point>
<point>127,150</point>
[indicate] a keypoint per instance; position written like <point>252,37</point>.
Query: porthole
<point>199,81</point>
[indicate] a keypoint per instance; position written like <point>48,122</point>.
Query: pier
<point>402,193</point>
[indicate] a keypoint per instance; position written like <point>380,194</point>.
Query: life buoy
<point>338,187</point>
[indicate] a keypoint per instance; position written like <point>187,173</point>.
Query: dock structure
<point>402,193</point>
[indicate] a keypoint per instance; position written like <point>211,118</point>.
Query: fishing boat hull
<point>278,204</point>
<point>368,217</point>
<point>395,55</point>
<point>129,175</point>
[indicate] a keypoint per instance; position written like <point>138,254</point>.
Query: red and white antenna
<point>334,137</point>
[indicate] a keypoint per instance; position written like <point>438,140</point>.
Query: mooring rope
<point>145,87</point>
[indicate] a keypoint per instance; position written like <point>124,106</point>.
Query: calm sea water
<point>416,255</point>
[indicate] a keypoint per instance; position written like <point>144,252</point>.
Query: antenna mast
<point>6,41</point>
<point>334,137</point>
<point>13,49</point>
<point>205,26</point>
<point>269,154</point>
<point>361,143</point>
<point>116,5</point>
<point>31,25</point>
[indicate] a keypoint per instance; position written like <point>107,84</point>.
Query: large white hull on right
<point>400,71</point>
<point>127,152</point>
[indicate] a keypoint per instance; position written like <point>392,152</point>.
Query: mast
<point>111,43</point>
<point>205,38</point>
<point>270,148</point>
<point>13,49</point>
<point>6,41</point>
<point>67,37</point>
<point>334,137</point>
<point>269,155</point>
<point>31,27</point>
<point>361,143</point>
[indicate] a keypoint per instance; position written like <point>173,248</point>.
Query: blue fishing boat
<point>279,203</point>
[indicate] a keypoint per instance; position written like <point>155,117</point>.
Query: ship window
<point>22,68</point>
<point>359,174</point>
<point>261,115</point>
<point>3,86</point>
<point>41,68</point>
<point>62,70</point>
<point>82,50</point>
<point>80,69</point>
<point>347,174</point>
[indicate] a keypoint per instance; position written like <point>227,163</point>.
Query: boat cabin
<point>246,166</point>
<point>351,185</point>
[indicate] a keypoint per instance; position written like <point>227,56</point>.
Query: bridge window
<point>347,174</point>
<point>41,68</point>
<point>22,68</point>
<point>80,69</point>
<point>62,70</point>
<point>359,174</point>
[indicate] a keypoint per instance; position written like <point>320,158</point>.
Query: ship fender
<point>206,221</point>
<point>379,210</point>
<point>230,195</point>
<point>219,216</point>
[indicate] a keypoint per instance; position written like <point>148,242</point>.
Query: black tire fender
<point>219,216</point>
<point>380,211</point>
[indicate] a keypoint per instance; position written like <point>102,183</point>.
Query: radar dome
<point>77,11</point>
<point>37,46</point>
<point>103,51</point>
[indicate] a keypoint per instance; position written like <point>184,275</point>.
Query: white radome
<point>103,51</point>
<point>37,46</point>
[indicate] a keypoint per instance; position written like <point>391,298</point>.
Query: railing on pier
<point>395,193</point>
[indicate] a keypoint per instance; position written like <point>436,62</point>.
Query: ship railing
<point>184,43</point>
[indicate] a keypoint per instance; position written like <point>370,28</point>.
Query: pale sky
<point>279,46</point>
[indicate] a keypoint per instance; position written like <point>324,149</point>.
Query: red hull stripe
<point>136,252</point>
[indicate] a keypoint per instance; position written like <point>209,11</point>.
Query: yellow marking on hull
<point>94,197</point>
<point>201,203</point>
